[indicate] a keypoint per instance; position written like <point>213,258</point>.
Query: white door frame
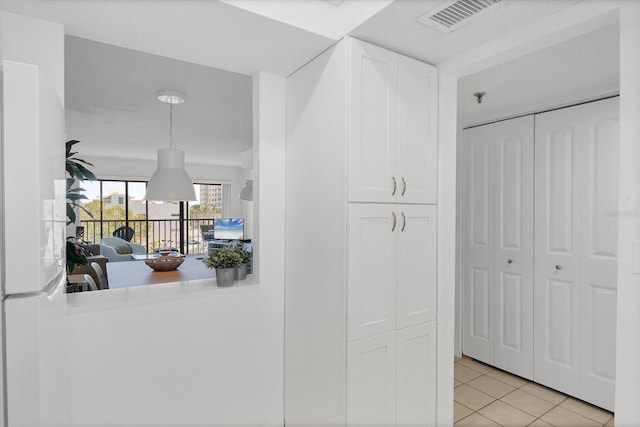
<point>579,19</point>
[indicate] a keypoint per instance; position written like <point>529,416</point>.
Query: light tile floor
<point>486,396</point>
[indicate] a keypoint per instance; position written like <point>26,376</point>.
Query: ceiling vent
<point>453,14</point>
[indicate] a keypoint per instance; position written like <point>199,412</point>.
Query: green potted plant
<point>225,261</point>
<point>245,255</point>
<point>76,170</point>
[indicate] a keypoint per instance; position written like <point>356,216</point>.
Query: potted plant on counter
<point>225,262</point>
<point>245,255</point>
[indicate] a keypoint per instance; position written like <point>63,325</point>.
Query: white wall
<point>447,96</point>
<point>173,356</point>
<point>627,407</point>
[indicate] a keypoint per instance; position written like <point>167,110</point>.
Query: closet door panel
<point>557,253</point>
<point>417,131</point>
<point>416,271</point>
<point>599,255</point>
<point>514,245</point>
<point>371,289</point>
<point>373,139</point>
<point>478,244</point>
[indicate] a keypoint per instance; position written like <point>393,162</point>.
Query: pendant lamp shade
<point>170,182</point>
<point>247,192</point>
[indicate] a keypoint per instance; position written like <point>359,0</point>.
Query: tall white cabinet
<point>539,247</point>
<point>360,291</point>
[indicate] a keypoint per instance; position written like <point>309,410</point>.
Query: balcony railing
<point>153,233</point>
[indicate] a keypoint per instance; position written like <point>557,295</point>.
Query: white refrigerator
<point>32,251</point>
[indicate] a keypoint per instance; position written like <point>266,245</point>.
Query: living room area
<point>114,114</point>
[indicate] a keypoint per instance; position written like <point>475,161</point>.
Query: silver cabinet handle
<point>558,267</point>
<point>404,186</point>
<point>404,221</point>
<point>395,186</point>
<point>393,227</point>
<point>509,261</point>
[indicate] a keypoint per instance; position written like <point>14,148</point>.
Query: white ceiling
<point>579,69</point>
<point>109,90</point>
<point>112,106</point>
<point>205,32</point>
<point>396,28</point>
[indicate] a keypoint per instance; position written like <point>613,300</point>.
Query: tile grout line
<point>514,388</point>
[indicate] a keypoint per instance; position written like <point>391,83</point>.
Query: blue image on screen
<point>228,228</point>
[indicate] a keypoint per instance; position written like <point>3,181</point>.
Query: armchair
<point>117,249</point>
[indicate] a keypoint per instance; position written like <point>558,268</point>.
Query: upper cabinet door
<point>417,131</point>
<point>373,138</point>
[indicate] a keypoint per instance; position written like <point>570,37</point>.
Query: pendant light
<point>170,182</point>
<point>247,192</point>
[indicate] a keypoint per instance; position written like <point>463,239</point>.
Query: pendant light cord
<point>171,145</point>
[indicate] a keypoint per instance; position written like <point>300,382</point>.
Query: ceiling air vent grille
<point>453,14</point>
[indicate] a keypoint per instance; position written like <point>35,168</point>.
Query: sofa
<point>117,249</point>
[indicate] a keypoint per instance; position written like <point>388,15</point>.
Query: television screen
<point>228,228</point>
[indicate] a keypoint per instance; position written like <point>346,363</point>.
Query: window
<point>115,204</point>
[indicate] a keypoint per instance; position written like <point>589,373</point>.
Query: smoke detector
<point>453,14</point>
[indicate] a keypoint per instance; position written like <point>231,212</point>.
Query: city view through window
<point>115,204</point>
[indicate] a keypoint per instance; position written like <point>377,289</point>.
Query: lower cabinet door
<point>371,381</point>
<point>416,375</point>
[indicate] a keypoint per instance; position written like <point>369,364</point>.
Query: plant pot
<point>241,272</point>
<point>225,276</point>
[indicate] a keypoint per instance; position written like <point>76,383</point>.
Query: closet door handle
<point>395,220</point>
<point>395,186</point>
<point>404,221</point>
<point>509,261</point>
<point>558,267</point>
<point>404,186</point>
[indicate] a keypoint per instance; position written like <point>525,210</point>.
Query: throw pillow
<point>124,249</point>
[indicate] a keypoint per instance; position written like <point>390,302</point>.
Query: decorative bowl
<point>165,263</point>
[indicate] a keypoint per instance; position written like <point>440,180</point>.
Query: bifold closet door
<point>513,253</point>
<point>600,132</point>
<point>557,258</point>
<point>478,244</point>
<point>576,249</point>
<point>498,245</point>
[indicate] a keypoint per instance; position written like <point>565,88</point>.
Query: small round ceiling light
<point>170,96</point>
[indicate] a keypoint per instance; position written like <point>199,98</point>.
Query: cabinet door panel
<point>372,270</point>
<point>417,131</point>
<point>416,271</point>
<point>371,381</point>
<point>478,244</point>
<point>373,138</point>
<point>514,245</point>
<point>557,253</point>
<point>600,130</point>
<point>416,372</point>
